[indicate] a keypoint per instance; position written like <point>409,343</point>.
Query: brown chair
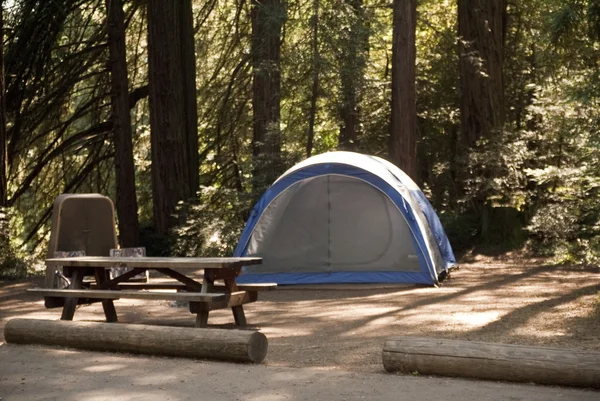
<point>81,223</point>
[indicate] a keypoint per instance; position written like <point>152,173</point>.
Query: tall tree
<point>190,108</point>
<point>4,237</point>
<point>403,135</point>
<point>481,46</point>
<point>126,200</point>
<point>174,135</point>
<point>316,62</point>
<point>267,21</point>
<point>354,46</point>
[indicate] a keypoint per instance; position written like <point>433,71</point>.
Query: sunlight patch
<point>275,332</point>
<point>104,368</point>
<point>476,319</point>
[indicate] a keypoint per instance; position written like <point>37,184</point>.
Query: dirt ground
<point>342,328</point>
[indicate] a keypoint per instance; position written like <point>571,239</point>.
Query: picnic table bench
<point>203,296</point>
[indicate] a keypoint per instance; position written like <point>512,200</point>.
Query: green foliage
<point>462,230</point>
<point>212,225</point>
<point>155,243</point>
<point>12,267</point>
<point>540,171</point>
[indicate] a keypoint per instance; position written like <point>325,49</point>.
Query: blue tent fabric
<point>436,227</point>
<point>375,172</point>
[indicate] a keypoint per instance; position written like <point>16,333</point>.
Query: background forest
<point>183,112</point>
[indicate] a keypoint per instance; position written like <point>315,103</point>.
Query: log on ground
<point>492,361</point>
<point>228,345</point>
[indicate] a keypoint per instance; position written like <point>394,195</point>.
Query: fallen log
<point>492,361</point>
<point>228,345</point>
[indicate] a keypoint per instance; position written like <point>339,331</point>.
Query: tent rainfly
<point>344,217</point>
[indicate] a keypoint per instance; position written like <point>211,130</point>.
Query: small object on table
<point>60,279</point>
<point>137,252</point>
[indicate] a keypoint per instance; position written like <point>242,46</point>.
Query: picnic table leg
<point>201,310</point>
<point>202,319</point>
<point>202,315</point>
<point>71,303</point>
<point>238,315</point>
<point>238,311</point>
<point>107,304</point>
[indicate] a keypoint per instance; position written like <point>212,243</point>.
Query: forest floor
<point>342,328</point>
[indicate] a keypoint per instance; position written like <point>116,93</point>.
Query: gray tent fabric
<point>313,227</point>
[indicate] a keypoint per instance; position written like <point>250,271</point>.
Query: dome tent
<point>344,217</point>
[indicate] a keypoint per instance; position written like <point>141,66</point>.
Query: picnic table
<point>203,295</point>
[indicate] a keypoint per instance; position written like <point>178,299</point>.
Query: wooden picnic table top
<point>154,262</point>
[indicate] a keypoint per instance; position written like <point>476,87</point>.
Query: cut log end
<point>257,347</point>
<point>228,345</point>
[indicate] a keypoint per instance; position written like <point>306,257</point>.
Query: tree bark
<point>481,47</point>
<point>315,78</point>
<point>267,20</point>
<point>4,231</point>
<point>228,345</point>
<point>354,45</point>
<point>173,147</point>
<point>491,361</point>
<point>126,200</point>
<point>403,128</point>
<point>188,65</point>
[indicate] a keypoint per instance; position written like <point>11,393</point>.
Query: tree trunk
<point>316,62</point>
<point>173,146</point>
<point>353,46</point>
<point>481,46</point>
<point>4,231</point>
<point>403,129</point>
<point>126,201</point>
<point>188,55</point>
<point>267,20</point>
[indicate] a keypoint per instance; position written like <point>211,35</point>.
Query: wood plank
<point>182,278</point>
<point>492,361</point>
<point>56,302</point>
<point>116,294</point>
<point>154,262</point>
<point>229,345</point>
<point>175,285</point>
<point>113,283</point>
<point>258,287</point>
<point>236,298</point>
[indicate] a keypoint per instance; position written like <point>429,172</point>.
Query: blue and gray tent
<point>343,217</point>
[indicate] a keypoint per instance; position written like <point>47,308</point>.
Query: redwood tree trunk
<point>353,46</point>
<point>481,37</point>
<point>481,46</point>
<point>267,20</point>
<point>173,147</point>
<point>403,129</point>
<point>126,201</point>
<point>4,232</point>
<point>315,78</point>
<point>188,66</point>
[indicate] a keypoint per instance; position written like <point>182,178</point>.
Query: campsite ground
<point>342,328</point>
